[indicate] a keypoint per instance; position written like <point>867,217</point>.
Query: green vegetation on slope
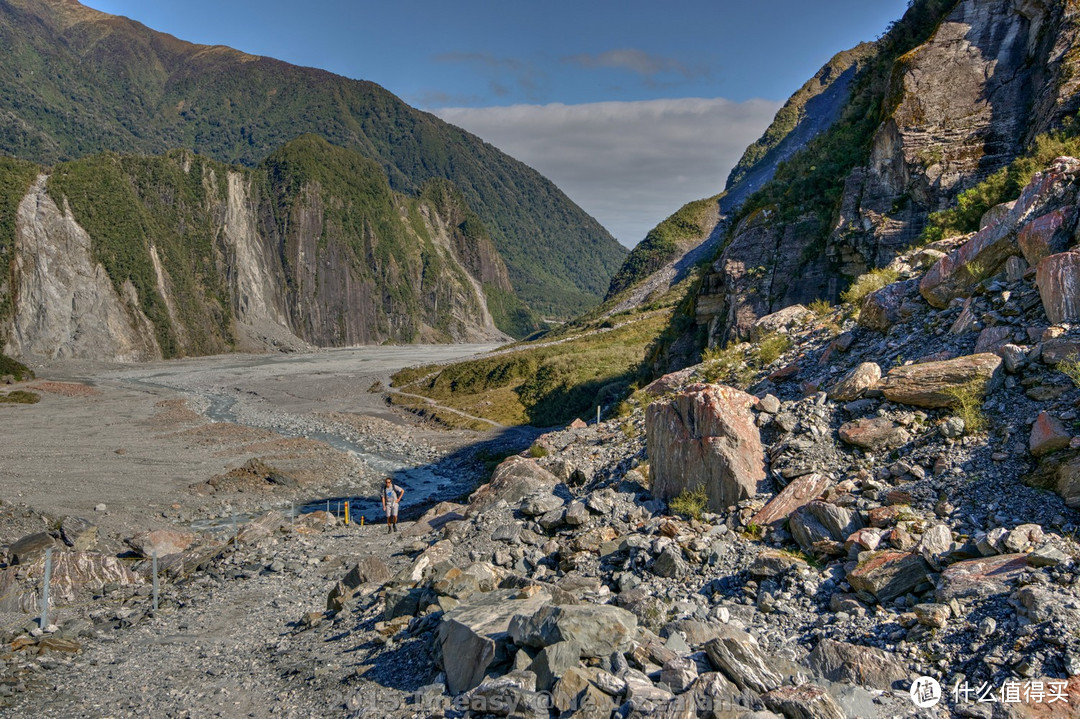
<point>16,369</point>
<point>812,181</point>
<point>792,113</point>
<point>16,176</point>
<point>132,206</point>
<point>685,227</point>
<point>544,384</point>
<point>1003,185</point>
<point>108,84</point>
<point>566,373</point>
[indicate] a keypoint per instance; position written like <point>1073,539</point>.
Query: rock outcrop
<point>705,437</point>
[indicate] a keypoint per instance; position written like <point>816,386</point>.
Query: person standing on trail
<point>391,498</point>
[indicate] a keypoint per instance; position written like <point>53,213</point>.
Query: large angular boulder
<point>844,662</point>
<point>161,542</point>
<point>76,577</point>
<point>740,658</point>
<point>512,481</point>
<point>78,533</point>
<point>806,701</point>
<point>874,433</point>
<point>931,384</point>
<point>883,308</point>
<point>1048,435</point>
<point>982,256</point>
<point>985,253</point>
<point>1058,280</point>
<point>790,317</point>
<point>705,436</point>
<point>598,630</point>
<point>887,575</point>
<point>983,577</point>
<point>31,547</point>
<point>1059,472</point>
<point>855,383</point>
<point>1044,236</point>
<point>473,636</point>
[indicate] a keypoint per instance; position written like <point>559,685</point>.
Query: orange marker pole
<point>346,513</point>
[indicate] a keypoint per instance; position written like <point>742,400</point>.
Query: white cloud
<point>628,164</point>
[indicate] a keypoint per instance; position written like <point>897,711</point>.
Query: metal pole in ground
<point>598,414</point>
<point>235,526</point>
<point>155,583</point>
<point>328,506</point>
<point>45,589</point>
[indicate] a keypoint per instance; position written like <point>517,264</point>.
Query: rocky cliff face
<point>218,258</point>
<point>948,110</point>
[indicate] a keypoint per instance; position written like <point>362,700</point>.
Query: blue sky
<point>633,108</point>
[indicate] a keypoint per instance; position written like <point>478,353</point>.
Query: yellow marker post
<point>346,513</point>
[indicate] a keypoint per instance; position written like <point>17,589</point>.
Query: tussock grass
<point>967,405</point>
<point>872,281</point>
<point>690,504</point>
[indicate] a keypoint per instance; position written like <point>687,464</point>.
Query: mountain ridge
<point>82,82</point>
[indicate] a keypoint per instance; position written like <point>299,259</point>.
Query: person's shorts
<point>391,509</point>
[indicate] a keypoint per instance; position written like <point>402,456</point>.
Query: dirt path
<point>228,646</point>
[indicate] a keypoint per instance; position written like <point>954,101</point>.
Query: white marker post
<point>45,590</point>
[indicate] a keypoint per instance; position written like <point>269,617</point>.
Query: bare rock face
<point>705,437</point>
<point>1058,279</point>
<point>929,384</point>
<point>993,74</point>
<point>66,305</point>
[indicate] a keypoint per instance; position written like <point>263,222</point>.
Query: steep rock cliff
<point>135,258</point>
<point>953,93</point>
<point>76,82</point>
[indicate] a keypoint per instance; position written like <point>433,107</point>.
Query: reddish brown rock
<point>980,577</point>
<point>855,383</point>
<point>1058,280</point>
<point>578,423</point>
<point>888,574</point>
<point>883,517</point>
<point>705,436</point>
<point>874,433</point>
<point>930,384</point>
<point>884,308</point>
<point>801,491</point>
<point>1040,238</point>
<point>1048,435</point>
